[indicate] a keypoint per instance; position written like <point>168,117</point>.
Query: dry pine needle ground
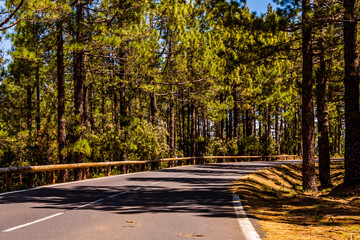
<point>276,198</point>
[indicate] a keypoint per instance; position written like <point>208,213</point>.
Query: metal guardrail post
<point>83,170</point>
<point>20,178</point>
<point>8,181</point>
<point>52,177</point>
<point>108,170</point>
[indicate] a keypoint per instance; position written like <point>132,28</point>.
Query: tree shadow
<point>204,191</point>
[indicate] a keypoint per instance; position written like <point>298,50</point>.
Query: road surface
<point>190,202</point>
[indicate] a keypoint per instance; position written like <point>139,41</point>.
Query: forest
<point>114,80</point>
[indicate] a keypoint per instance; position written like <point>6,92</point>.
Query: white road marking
<point>33,222</point>
<point>115,195</point>
<point>85,205</point>
<point>245,224</point>
<point>82,206</point>
<point>18,191</point>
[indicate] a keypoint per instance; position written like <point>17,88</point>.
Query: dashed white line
<point>33,222</point>
<point>82,206</point>
<point>85,205</point>
<point>245,224</point>
<point>115,195</point>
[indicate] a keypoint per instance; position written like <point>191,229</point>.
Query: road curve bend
<point>190,202</point>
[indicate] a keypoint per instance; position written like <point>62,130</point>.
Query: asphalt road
<point>191,202</point>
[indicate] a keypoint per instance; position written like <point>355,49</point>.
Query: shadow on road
<point>204,191</point>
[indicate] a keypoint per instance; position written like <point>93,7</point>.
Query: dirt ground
<point>285,211</point>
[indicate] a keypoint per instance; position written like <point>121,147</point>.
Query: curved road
<point>190,202</point>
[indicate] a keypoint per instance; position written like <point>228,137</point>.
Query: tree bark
<point>277,135</point>
<point>86,105</point>
<point>193,131</point>
<point>236,114</point>
<point>248,123</point>
<point>339,131</point>
<point>351,82</point>
<point>29,108</point>
<point>79,84</point>
<point>259,121</point>
<point>222,123</point>
<point>172,127</point>
<point>123,117</point>
<point>323,120</point>
<point>37,86</point>
<point>64,175</point>
<point>153,109</point>
<point>308,128</point>
<point>269,121</point>
<point>230,125</point>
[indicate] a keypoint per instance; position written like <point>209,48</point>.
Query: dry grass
<point>285,211</point>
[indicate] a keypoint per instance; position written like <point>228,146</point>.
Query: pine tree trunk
<point>29,108</point>
<point>277,135</point>
<point>91,103</point>
<point>64,175</point>
<point>172,128</point>
<point>259,121</point>
<point>269,121</point>
<point>254,124</point>
<point>244,126</point>
<point>37,86</point>
<point>248,124</point>
<point>339,136</point>
<point>79,84</point>
<point>153,109</point>
<point>222,123</point>
<point>193,131</point>
<point>230,125</point>
<point>183,114</point>
<point>323,121</point>
<point>102,109</point>
<point>123,118</point>
<point>299,137</point>
<point>236,114</point>
<point>308,128</point>
<point>351,82</point>
<point>181,127</point>
<point>86,105</point>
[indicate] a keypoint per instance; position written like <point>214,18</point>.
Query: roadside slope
<point>275,197</point>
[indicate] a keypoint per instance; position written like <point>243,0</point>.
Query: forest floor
<point>285,211</point>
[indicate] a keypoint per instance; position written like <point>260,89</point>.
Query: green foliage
<point>142,142</point>
<point>146,142</point>
<point>249,146</point>
<point>267,146</point>
<point>221,147</point>
<point>143,61</point>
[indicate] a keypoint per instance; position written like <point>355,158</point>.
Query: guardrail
<point>154,165</point>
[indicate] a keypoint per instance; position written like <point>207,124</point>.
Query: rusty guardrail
<point>56,167</point>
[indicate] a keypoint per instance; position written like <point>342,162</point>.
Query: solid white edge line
<point>244,222</point>
<point>33,222</point>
